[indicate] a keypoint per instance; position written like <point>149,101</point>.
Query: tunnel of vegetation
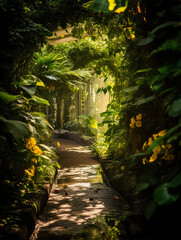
<point>130,62</point>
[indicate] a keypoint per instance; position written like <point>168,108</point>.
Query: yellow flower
<point>30,171</point>
<point>155,136</point>
<point>153,157</point>
<point>131,125</point>
<point>157,150</point>
<point>34,160</point>
<point>120,9</point>
<point>112,4</point>
<point>58,144</point>
<point>36,150</point>
<point>139,116</point>
<point>31,142</point>
<point>150,141</point>
<point>133,120</point>
<point>138,7</point>
<point>144,160</point>
<point>162,133</point>
<point>122,167</point>
<point>138,124</point>
<point>116,117</point>
<point>144,146</point>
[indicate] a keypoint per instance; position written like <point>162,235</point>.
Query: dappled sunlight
<point>78,196</point>
<point>79,149</point>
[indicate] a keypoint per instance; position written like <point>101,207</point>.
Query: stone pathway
<point>80,205</point>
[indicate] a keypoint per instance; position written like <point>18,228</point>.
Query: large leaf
<point>106,6</point>
<point>99,5</point>
<point>40,100</point>
<point>147,40</point>
<point>108,112</point>
<point>142,186</point>
<point>29,89</point>
<point>144,100</point>
<point>164,25</point>
<point>175,109</point>
<point>8,98</point>
<point>162,196</point>
<point>17,128</point>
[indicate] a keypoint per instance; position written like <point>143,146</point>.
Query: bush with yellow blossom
<point>136,122</point>
<point>159,152</point>
<point>31,145</point>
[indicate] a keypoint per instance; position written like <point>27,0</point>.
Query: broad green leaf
<point>40,100</point>
<point>150,210</point>
<point>144,100</point>
<point>17,128</point>
<point>8,98</point>
<point>100,6</point>
<point>166,24</point>
<point>131,89</point>
<point>175,109</point>
<point>176,181</point>
<point>29,89</point>
<point>108,113</point>
<point>38,114</point>
<point>162,196</point>
<point>142,186</point>
<point>147,40</point>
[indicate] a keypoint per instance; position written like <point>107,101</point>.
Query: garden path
<point>81,205</point>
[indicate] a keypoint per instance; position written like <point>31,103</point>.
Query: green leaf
<point>40,100</point>
<point>176,181</point>
<point>142,186</point>
<point>29,89</point>
<point>131,89</point>
<point>162,196</point>
<point>175,109</point>
<point>166,24</point>
<point>144,70</point>
<point>17,128</point>
<point>8,98</point>
<point>108,113</point>
<point>100,6</point>
<point>82,117</point>
<point>144,100</point>
<point>38,114</point>
<point>150,210</point>
<point>146,40</point>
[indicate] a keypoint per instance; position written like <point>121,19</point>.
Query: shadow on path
<point>80,205</point>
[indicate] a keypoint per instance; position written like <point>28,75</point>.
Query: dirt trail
<point>80,205</point>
